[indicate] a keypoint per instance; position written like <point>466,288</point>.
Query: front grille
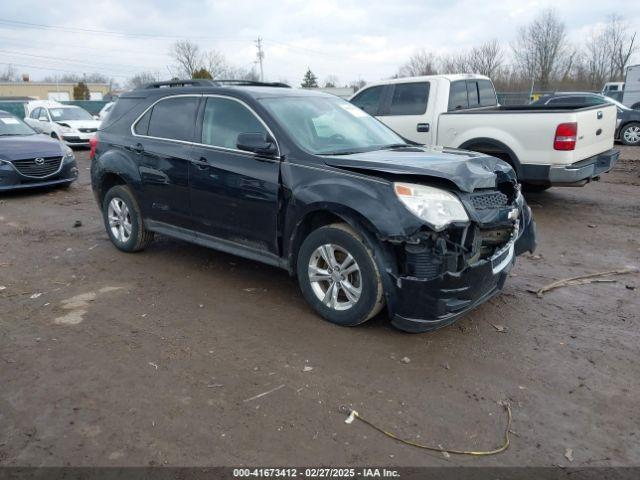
<point>87,130</point>
<point>486,201</point>
<point>30,168</point>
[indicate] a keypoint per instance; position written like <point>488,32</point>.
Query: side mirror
<point>260,143</point>
<point>96,117</point>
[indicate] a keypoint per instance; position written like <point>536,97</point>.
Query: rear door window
<point>458,96</point>
<point>487,93</point>
<point>369,100</point>
<point>409,99</point>
<point>174,118</point>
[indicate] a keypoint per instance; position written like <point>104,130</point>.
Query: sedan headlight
<point>68,155</point>
<point>65,129</point>
<point>436,207</point>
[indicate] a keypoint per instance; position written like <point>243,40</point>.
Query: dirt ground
<point>156,358</point>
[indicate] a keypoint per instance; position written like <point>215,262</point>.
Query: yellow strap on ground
<point>354,414</point>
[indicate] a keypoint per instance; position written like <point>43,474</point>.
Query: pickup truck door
<point>234,193</point>
<point>407,110</point>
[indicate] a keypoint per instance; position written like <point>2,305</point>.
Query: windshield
<point>330,126</point>
<point>14,126</point>
<point>60,114</point>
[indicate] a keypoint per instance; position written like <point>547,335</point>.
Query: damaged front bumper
<point>421,305</point>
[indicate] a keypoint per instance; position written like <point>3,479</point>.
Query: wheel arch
<point>496,148</point>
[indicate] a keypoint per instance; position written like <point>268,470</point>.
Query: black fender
<point>512,157</point>
<point>118,163</point>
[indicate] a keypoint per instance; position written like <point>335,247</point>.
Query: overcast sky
<point>366,39</point>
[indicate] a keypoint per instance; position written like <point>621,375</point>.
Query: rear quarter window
<point>458,96</point>
<point>409,99</point>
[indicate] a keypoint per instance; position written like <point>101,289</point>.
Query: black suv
<point>309,182</point>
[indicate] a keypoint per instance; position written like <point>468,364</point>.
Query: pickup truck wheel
<point>534,188</point>
<point>630,134</point>
<point>338,275</point>
<point>123,220</point>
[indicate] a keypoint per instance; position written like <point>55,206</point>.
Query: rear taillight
<point>566,135</point>
<point>93,143</point>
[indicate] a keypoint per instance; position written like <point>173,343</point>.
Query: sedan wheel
<point>631,135</point>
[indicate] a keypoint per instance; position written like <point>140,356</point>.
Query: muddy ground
<point>154,358</point>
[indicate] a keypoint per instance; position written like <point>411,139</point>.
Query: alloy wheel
<point>119,219</point>
<point>335,277</point>
<point>632,134</point>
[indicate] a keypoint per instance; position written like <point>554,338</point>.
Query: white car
<point>70,124</point>
<point>545,145</point>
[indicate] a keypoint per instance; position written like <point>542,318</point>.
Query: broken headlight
<point>435,206</point>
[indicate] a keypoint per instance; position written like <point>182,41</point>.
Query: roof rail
<point>178,83</point>
<point>251,83</point>
<point>210,83</point>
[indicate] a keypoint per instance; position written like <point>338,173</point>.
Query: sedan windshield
<point>330,126</point>
<point>60,114</point>
<point>13,126</point>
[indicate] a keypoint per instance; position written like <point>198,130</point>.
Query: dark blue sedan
<point>29,159</point>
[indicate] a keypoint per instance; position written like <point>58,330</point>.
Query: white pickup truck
<point>546,146</point>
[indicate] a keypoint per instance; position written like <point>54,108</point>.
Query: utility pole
<point>260,56</point>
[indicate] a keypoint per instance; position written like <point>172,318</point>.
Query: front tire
<point>123,220</point>
<point>338,275</point>
<point>630,134</point>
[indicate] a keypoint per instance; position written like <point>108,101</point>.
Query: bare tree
<point>141,78</point>
<point>9,74</point>
<point>187,56</point>
<point>331,81</point>
<point>597,59</point>
<point>216,64</point>
<point>540,47</point>
<point>420,63</point>
<point>622,44</point>
<point>456,63</point>
<point>485,59</point>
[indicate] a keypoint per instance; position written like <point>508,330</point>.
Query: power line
<point>80,62</point>
<point>53,69</point>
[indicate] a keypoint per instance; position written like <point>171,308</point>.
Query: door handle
<point>422,127</point>
<point>202,164</point>
<point>137,148</point>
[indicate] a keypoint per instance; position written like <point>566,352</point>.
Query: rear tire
<point>123,220</point>
<point>338,275</point>
<point>630,134</point>
<point>534,188</point>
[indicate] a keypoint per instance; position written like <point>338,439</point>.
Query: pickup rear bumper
<point>576,174</point>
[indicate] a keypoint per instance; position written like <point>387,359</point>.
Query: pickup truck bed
<point>524,136</point>
<point>546,146</point>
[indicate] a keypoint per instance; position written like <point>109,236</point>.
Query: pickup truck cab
<point>310,183</point>
<point>552,145</point>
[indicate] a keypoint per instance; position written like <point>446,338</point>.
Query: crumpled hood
<point>29,146</point>
<point>467,170</point>
<point>75,124</point>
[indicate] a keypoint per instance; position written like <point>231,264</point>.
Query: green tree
<point>81,91</point>
<point>202,73</point>
<point>309,80</point>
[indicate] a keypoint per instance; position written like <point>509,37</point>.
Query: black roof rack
<point>210,83</point>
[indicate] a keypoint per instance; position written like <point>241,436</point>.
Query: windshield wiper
<point>342,152</point>
<point>394,145</point>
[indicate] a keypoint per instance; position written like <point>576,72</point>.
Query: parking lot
<point>160,357</point>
